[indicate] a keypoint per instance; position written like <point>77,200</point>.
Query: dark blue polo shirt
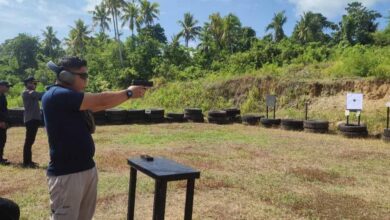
<point>71,145</point>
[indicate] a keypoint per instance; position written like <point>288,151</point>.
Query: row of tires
<point>116,116</point>
<point>225,116</point>
<point>313,126</point>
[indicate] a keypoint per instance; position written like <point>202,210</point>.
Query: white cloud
<point>91,4</point>
<point>329,8</point>
<point>8,2</point>
<point>34,15</point>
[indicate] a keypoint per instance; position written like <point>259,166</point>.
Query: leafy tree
<point>100,17</point>
<point>216,29</point>
<point>131,15</point>
<point>51,44</point>
<point>149,12</point>
<point>114,7</point>
<point>78,38</point>
<point>20,53</point>
<point>231,32</point>
<point>310,28</point>
<point>154,31</point>
<point>247,37</point>
<point>358,24</point>
<point>189,29</point>
<point>277,23</point>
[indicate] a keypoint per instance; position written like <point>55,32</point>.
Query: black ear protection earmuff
<point>62,75</point>
<point>66,77</point>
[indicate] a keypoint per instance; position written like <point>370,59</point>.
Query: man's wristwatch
<point>129,93</point>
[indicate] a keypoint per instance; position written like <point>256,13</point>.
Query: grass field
<point>246,173</point>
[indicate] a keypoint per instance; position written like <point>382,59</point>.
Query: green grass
<point>246,173</point>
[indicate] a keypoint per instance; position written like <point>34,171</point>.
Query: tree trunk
<point>119,41</point>
<point>116,31</point>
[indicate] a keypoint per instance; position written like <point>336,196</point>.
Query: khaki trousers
<point>73,196</point>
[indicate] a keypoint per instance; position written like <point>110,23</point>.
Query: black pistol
<point>142,82</point>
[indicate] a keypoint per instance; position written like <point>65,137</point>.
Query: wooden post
<point>306,110</point>
<point>274,111</point>
<point>388,115</point>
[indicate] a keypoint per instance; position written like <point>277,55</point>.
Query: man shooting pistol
<point>72,175</point>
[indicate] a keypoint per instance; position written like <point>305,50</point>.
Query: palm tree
<point>50,42</point>
<point>310,28</point>
<point>206,39</point>
<point>277,23</point>
<point>189,30</point>
<point>100,18</point>
<point>114,7</point>
<point>78,38</point>
<point>216,29</point>
<point>149,12</point>
<point>131,14</point>
<point>231,28</point>
<point>302,29</point>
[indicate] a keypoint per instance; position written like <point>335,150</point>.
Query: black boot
<point>2,160</point>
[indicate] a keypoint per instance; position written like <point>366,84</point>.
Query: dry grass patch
<point>315,174</point>
<point>325,205</point>
<point>246,173</point>
<point>363,155</point>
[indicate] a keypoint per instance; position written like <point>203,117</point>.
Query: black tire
<point>136,116</point>
<point>193,111</point>
<point>316,124</point>
<point>237,119</point>
<point>175,117</point>
<point>352,128</point>
<point>194,115</point>
<point>156,120</point>
<point>316,130</point>
<point>251,119</point>
<point>154,113</point>
<point>192,118</point>
<point>360,134</point>
<point>15,117</point>
<point>269,122</point>
<point>9,210</point>
<point>219,120</point>
<point>232,112</point>
<point>116,116</point>
<point>292,124</point>
<point>175,120</point>
<point>386,132</point>
<point>100,118</point>
<point>217,114</point>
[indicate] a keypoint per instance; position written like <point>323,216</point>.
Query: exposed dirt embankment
<point>238,89</point>
<point>327,97</point>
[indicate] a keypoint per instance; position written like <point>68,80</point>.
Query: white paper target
<point>388,104</point>
<point>271,100</point>
<point>355,101</point>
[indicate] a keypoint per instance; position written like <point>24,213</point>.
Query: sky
<point>32,16</point>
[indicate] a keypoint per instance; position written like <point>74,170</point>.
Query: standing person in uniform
<point>4,88</point>
<point>32,119</point>
<point>72,176</point>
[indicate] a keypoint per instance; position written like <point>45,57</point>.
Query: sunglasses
<point>82,75</point>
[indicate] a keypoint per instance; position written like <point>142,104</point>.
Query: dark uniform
<point>32,120</point>
<point>3,118</point>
